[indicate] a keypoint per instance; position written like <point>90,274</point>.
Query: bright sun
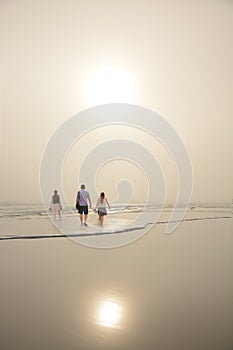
<point>110,84</point>
<point>109,314</point>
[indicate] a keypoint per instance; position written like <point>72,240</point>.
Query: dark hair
<point>82,187</point>
<point>102,195</point>
<point>55,191</point>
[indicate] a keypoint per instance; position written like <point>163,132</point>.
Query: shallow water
<point>21,220</point>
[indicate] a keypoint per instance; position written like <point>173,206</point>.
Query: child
<point>101,207</point>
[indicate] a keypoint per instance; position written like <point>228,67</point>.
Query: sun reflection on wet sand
<point>109,313</point>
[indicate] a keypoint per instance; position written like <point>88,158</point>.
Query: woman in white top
<point>101,207</point>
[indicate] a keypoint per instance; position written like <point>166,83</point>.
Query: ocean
<point>128,222</point>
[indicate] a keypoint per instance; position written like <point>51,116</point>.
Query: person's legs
<point>80,211</point>
<point>81,219</point>
<point>85,219</point>
<point>85,210</point>
<point>101,219</point>
<point>59,214</point>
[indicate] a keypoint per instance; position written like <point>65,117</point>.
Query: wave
<point>34,210</point>
<point>107,231</point>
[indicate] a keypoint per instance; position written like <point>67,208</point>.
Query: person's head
<point>82,187</point>
<point>55,192</point>
<point>102,195</point>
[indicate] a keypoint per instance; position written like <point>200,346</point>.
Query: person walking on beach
<point>55,205</point>
<point>82,200</point>
<point>101,204</point>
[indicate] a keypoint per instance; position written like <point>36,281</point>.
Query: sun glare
<point>109,314</point>
<point>110,85</point>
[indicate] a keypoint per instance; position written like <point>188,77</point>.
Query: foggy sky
<point>179,54</point>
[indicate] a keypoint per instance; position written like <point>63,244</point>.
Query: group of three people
<point>82,200</point>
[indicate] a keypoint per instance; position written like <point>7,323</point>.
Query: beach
<point>173,289</point>
<point>131,100</point>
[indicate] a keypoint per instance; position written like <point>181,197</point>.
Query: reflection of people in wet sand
<point>101,205</point>
<point>55,205</point>
<point>82,199</point>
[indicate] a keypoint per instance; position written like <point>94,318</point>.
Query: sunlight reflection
<point>109,313</point>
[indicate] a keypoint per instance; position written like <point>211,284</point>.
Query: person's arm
<point>89,198</point>
<point>107,203</point>
<point>60,203</point>
<point>77,200</point>
<point>98,200</point>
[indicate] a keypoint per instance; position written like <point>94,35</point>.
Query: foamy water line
<point>107,231</point>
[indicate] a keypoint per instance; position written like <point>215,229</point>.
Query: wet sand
<point>175,291</point>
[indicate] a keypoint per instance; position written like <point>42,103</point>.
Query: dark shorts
<point>83,209</point>
<point>102,212</point>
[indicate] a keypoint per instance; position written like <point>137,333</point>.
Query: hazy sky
<point>174,57</point>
